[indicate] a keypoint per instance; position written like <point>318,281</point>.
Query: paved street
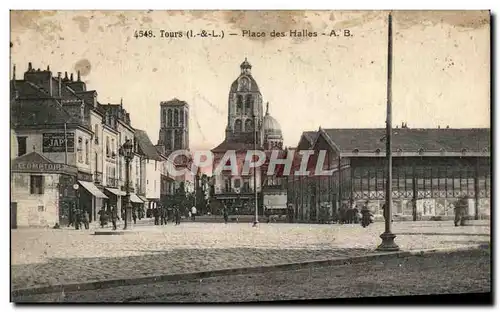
<point>42,257</point>
<point>457,272</point>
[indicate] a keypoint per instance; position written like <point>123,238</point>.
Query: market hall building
<point>432,168</point>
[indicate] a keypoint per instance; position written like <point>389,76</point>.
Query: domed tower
<point>245,101</point>
<point>273,137</point>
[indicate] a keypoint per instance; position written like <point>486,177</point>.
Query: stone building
<point>247,129</point>
<point>432,168</point>
<point>71,139</point>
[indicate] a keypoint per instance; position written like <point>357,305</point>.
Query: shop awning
<point>117,192</point>
<point>135,199</point>
<point>144,199</point>
<point>89,186</point>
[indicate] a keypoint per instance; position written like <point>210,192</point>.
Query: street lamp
<point>126,151</point>
<point>256,221</point>
<point>388,243</point>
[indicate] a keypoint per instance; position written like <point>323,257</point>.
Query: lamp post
<point>387,237</point>
<point>126,151</point>
<point>256,221</point>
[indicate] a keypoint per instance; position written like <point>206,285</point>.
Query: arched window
<point>163,115</point>
<point>249,125</point>
<point>176,118</point>
<point>239,103</point>
<point>182,119</point>
<point>248,103</point>
<point>238,125</point>
<point>169,118</point>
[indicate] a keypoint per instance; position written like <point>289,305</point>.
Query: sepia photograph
<point>250,156</point>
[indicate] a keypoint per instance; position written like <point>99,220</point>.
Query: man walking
<point>156,215</point>
<point>177,215</point>
<point>113,217</point>
<point>460,211</point>
<point>86,219</point>
<point>193,213</point>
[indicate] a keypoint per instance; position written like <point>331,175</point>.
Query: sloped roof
<point>32,157</point>
<point>407,139</point>
<point>146,145</point>
<point>233,145</point>
<point>41,112</point>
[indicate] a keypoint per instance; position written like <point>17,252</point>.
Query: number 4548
<point>143,34</point>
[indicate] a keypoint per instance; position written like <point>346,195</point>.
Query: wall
<point>13,144</point>
<point>153,178</point>
<point>28,213</point>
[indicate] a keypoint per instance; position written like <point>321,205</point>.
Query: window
<point>248,103</point>
<point>237,125</point>
<point>227,185</point>
<point>21,146</point>
<point>36,184</point>
<point>87,152</point>
<point>182,119</point>
<point>41,209</point>
<point>96,134</point>
<point>169,118</point>
<point>113,148</point>
<point>108,150</point>
<point>249,125</point>
<point>176,118</point>
<point>237,183</point>
<point>80,149</point>
<point>239,103</point>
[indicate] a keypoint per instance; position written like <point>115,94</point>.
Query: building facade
<point>248,128</point>
<point>432,169</point>
<point>73,143</point>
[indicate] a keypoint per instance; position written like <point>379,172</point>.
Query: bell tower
<point>174,125</point>
<point>245,101</point>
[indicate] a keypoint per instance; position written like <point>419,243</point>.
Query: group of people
<point>162,215</point>
<point>79,218</point>
<point>106,215</point>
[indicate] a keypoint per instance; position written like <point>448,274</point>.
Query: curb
<point>237,271</point>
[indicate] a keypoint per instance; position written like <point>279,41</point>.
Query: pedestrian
<point>113,217</point>
<point>86,219</point>
<point>102,217</point>
<point>156,215</point>
<point>134,215</point>
<point>193,212</point>
<point>226,216</point>
<point>177,215</point>
<point>163,215</point>
<point>460,210</point>
<point>77,219</point>
<point>237,215</point>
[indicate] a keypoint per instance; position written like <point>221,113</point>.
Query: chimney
<point>78,73</point>
<point>30,66</point>
<point>447,127</point>
<point>48,68</point>
<point>71,77</point>
<point>59,81</point>
<point>439,127</point>
<point>66,75</point>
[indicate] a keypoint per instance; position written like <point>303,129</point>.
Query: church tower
<point>245,102</point>
<point>174,127</point>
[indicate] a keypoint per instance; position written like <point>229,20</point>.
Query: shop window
<point>36,184</point>
<point>21,146</point>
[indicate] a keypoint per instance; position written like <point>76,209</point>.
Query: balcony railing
<point>98,177</point>
<point>112,182</point>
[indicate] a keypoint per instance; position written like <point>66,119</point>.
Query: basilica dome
<point>270,125</point>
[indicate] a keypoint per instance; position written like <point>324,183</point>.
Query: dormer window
<point>377,151</point>
<point>355,151</point>
<point>399,151</point>
<point>420,151</point>
<point>464,150</point>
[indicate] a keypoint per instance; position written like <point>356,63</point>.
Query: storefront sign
<point>42,167</point>
<point>83,176</point>
<point>55,142</point>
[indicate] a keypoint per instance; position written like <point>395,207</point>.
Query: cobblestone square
<point>43,257</point>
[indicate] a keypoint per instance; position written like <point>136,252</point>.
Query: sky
<point>441,65</point>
